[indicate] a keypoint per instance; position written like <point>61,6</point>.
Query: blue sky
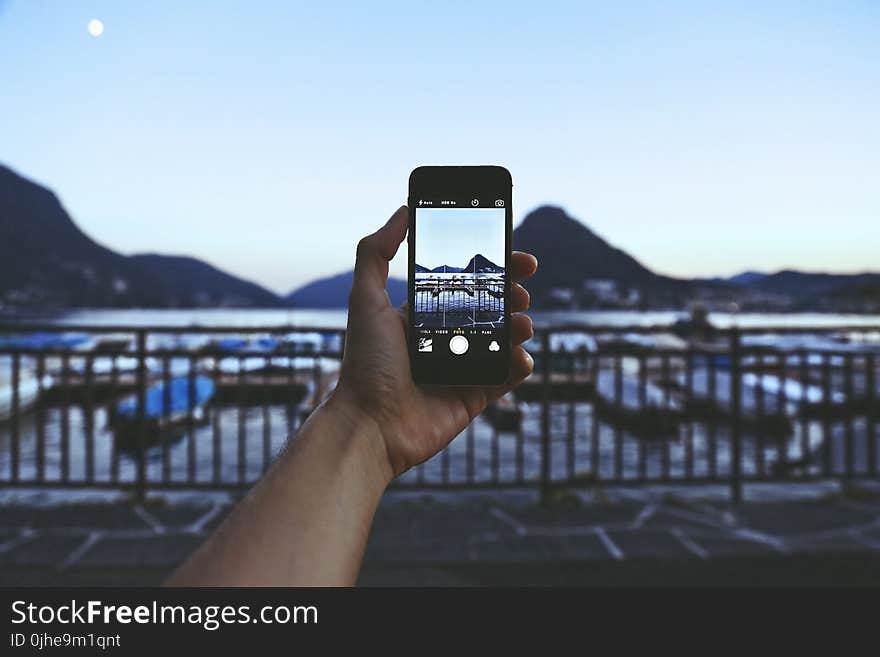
<point>267,137</point>
<point>446,236</point>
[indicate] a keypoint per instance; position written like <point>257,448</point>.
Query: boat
<point>642,407</point>
<point>302,343</point>
<point>570,353</point>
<point>573,342</point>
<point>113,344</point>
<point>105,366</point>
<point>274,365</point>
<point>29,388</point>
<point>270,355</point>
<point>765,399</point>
<point>504,414</point>
<point>48,341</point>
<point>641,342</point>
<point>169,408</point>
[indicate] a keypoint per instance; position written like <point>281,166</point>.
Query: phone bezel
<point>459,182</point>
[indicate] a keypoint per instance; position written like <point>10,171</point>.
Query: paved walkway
<point>477,539</point>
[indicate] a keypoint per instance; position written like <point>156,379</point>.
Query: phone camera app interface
<point>460,280</point>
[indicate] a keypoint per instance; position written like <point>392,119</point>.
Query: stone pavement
<point>616,537</point>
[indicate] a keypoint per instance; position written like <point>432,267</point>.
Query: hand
<point>375,384</point>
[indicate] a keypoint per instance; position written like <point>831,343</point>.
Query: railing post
<point>545,417</point>
<point>871,401</point>
<point>140,453</point>
<point>736,416</point>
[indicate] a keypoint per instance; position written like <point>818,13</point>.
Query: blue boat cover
<point>159,403</point>
<point>45,340</point>
<point>230,344</point>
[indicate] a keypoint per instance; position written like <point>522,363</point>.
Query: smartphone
<point>460,220</point>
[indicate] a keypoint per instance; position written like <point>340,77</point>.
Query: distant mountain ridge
<point>333,291</point>
<point>577,268</point>
<point>747,278</point>
<point>479,264</point>
<point>46,261</point>
<point>193,283</point>
<point>442,269</point>
<point>822,292</point>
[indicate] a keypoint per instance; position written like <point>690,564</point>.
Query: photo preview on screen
<point>459,281</point>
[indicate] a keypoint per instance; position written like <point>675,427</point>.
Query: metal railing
<point>158,408</point>
<point>459,294</point>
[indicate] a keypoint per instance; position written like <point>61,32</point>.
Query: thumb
<point>373,254</point>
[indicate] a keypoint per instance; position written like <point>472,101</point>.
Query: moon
<point>95,27</point>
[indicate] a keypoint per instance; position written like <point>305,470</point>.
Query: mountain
<point>481,264</point>
<point>808,284</point>
<point>193,283</point>
<point>572,257</point>
<point>332,292</point>
<point>823,292</point>
<point>746,278</point>
<point>47,262</point>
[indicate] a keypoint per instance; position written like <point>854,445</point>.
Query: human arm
<point>307,521</point>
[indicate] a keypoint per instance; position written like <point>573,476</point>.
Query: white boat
<point>815,350</point>
<point>765,394</point>
<point>275,364</point>
<point>642,407</point>
<point>102,366</point>
<point>767,404</point>
<point>643,341</point>
<point>583,342</point>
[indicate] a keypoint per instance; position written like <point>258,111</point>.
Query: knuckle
<point>364,246</point>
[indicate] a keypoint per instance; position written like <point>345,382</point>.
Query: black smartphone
<point>460,220</point>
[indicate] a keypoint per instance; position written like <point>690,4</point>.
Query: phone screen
<point>459,257</point>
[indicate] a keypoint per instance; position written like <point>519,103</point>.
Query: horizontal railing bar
<point>671,328</point>
<point>13,327</point>
<point>181,353</point>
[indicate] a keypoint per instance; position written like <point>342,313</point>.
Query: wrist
<point>361,434</point>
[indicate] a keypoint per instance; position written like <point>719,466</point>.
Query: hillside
<point>47,262</point>
<point>571,258</point>
<point>193,283</point>
<point>332,292</point>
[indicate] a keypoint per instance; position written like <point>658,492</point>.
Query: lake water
<point>336,318</point>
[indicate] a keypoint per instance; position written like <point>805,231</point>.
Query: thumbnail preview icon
<point>426,344</point>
